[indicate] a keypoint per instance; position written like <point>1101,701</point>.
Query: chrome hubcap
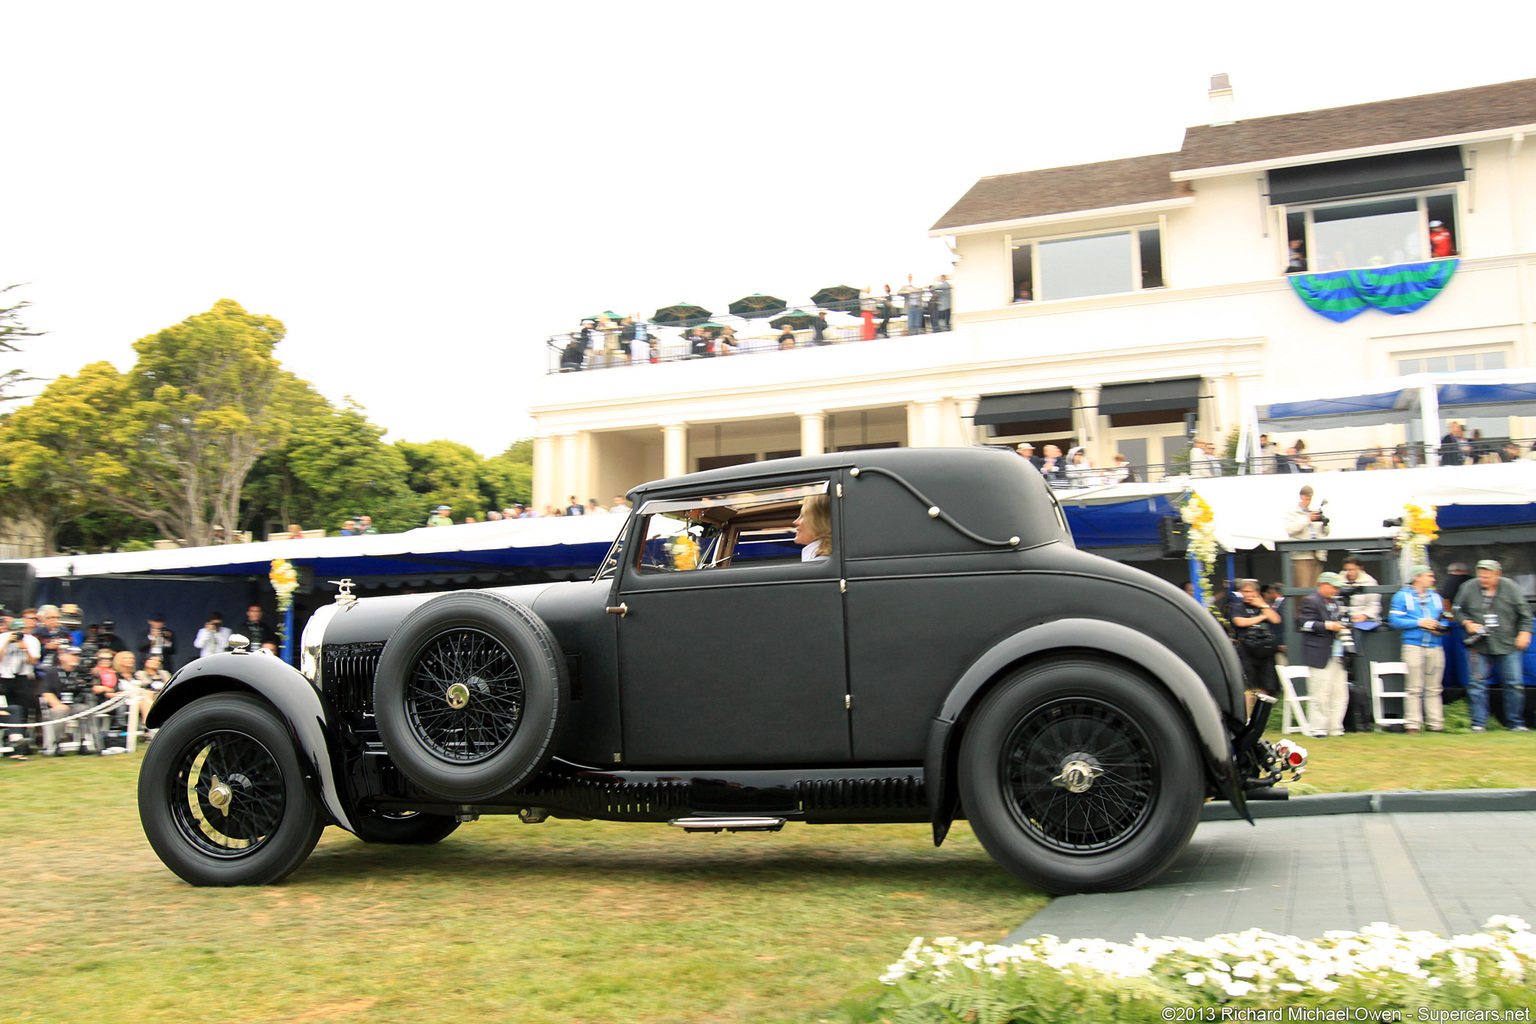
<point>457,696</point>
<point>1077,776</point>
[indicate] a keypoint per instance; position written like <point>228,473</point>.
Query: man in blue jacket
<point>1418,611</point>
<point>1498,623</point>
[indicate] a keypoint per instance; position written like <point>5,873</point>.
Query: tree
<point>333,466</point>
<point>444,473</point>
<point>11,330</point>
<point>508,477</point>
<point>172,441</point>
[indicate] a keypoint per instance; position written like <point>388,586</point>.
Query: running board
<point>728,824</point>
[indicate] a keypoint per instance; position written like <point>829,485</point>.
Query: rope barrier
<point>93,710</point>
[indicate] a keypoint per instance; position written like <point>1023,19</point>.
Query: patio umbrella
<point>681,314</point>
<point>758,305</point>
<point>838,296</point>
<point>610,314</point>
<point>799,320</point>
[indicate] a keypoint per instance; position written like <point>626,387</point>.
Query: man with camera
<point>1497,621</point>
<point>19,654</point>
<point>159,642</point>
<point>1306,523</point>
<point>65,690</point>
<point>213,638</point>
<point>1326,644</point>
<point>1420,613</point>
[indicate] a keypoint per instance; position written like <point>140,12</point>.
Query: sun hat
<point>1331,578</point>
<point>1489,563</point>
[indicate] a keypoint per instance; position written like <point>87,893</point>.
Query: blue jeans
<point>1479,678</point>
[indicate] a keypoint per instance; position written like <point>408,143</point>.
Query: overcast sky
<point>424,192</point>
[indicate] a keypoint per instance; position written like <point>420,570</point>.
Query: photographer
<point>1420,613</point>
<point>1326,645</point>
<point>159,642</point>
<point>1306,523</point>
<point>1498,630</point>
<point>1257,626</point>
<point>64,691</point>
<point>213,638</point>
<point>19,654</point>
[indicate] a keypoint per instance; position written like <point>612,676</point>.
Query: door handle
<point>620,610</point>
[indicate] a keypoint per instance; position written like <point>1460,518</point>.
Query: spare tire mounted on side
<point>471,695</point>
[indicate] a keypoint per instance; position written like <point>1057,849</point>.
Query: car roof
<point>913,463</point>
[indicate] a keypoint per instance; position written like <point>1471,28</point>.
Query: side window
<point>783,525</point>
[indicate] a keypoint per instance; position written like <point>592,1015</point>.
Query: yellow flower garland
<point>1202,545</point>
<point>285,580</point>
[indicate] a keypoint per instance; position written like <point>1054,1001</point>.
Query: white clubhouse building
<point>1158,287</point>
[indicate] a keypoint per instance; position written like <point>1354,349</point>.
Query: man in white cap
<point>1440,243</point>
<point>1325,643</point>
<point>1498,623</point>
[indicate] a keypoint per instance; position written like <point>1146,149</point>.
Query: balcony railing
<point>1349,460</point>
<point>750,337</point>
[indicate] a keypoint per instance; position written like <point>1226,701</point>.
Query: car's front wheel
<point>1077,775</point>
<point>222,795</point>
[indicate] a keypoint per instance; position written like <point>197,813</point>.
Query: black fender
<point>1118,641</point>
<point>311,720</point>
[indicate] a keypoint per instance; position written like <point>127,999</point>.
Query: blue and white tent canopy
<point>575,541</point>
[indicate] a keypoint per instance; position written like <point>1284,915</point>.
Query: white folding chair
<point>1379,691</point>
<point>1294,698</point>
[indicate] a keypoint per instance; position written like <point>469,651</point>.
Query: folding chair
<point>1294,699</point>
<point>1379,692</point>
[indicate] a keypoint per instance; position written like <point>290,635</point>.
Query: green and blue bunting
<point>1405,288</point>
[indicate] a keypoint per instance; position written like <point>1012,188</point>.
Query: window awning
<point>1025,406</point>
<point>1149,396</point>
<point>1369,175</point>
<point>1507,398</point>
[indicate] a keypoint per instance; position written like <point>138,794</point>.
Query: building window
<point>1371,233</point>
<point>1442,362</point>
<point>1103,264</point>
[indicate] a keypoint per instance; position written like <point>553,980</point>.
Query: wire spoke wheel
<point>1079,775</point>
<point>222,794</point>
<point>470,697</point>
<point>228,795</point>
<point>464,696</point>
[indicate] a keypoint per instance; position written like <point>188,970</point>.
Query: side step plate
<point>728,824</point>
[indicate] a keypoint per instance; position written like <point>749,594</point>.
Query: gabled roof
<point>1387,122</point>
<point>1400,122</point>
<point>1112,183</point>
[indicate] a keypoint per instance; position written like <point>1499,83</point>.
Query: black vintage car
<point>939,650</point>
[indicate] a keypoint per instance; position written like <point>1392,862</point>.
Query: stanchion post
<point>288,634</point>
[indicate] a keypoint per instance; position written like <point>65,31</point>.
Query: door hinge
<point>847,701</point>
<point>842,586</point>
<point>839,490</point>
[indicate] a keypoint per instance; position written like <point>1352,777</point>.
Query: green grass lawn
<point>565,921</point>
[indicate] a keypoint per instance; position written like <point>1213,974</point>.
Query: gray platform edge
<point>1406,801</point>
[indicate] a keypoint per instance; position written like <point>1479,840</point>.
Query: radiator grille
<point>347,672</point>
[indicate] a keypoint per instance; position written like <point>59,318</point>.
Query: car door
<point>731,647</point>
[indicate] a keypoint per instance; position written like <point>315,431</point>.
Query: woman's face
<point>802,531</point>
<point>152,664</point>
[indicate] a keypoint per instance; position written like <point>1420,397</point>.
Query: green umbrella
<point>758,305</point>
<point>610,314</point>
<point>681,314</point>
<point>838,296</point>
<point>799,320</point>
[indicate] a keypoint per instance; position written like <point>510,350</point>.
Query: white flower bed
<point>1251,963</point>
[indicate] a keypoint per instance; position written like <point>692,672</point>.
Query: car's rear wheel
<point>470,695</point>
<point>1077,775</point>
<point>222,795</point>
<point>409,828</point>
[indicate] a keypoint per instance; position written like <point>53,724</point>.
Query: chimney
<point>1221,100</point>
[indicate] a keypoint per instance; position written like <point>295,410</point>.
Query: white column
<point>970,433</point>
<point>1086,425</point>
<point>674,449</point>
<point>544,471</point>
<point>813,433</point>
<point>923,423</point>
<point>569,455</point>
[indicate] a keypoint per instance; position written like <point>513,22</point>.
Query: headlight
<point>311,640</point>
